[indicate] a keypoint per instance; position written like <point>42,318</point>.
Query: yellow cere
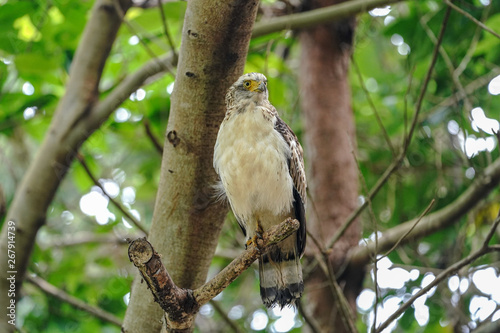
<point>251,85</point>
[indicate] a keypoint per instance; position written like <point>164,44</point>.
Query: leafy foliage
<point>79,249</point>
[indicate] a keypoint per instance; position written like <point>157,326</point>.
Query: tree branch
<point>130,84</point>
<point>317,16</point>
<point>147,127</point>
<point>373,107</point>
<point>60,294</point>
<point>313,325</point>
<point>426,211</point>
<point>224,317</point>
<point>165,29</point>
<point>447,272</point>
<point>182,304</point>
<point>472,18</point>
<point>116,203</point>
<point>212,288</point>
<point>82,238</point>
<point>346,314</point>
<point>429,224</point>
<point>469,89</point>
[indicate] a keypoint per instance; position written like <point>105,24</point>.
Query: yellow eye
<point>247,84</point>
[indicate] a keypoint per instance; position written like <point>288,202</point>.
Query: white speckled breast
<point>251,160</point>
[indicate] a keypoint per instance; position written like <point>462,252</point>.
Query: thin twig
<point>132,29</point>
<point>447,272</point>
<point>468,89</point>
<point>345,310</point>
<point>234,327</point>
<point>152,137</point>
<point>427,79</point>
<point>60,294</point>
<point>375,231</point>
<point>150,71</point>
<point>472,18</point>
<point>165,28</point>
<point>373,107</point>
<point>132,219</point>
<point>449,64</point>
<point>83,238</point>
<point>490,234</point>
<point>472,47</point>
<point>425,212</point>
<point>311,322</point>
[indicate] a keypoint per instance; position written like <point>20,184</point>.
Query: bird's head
<point>249,86</point>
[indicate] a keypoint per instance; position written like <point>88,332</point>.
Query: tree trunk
<point>187,222</point>
<point>330,141</point>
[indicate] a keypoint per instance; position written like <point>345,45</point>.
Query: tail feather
<point>280,275</point>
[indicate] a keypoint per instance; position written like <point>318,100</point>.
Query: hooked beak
<point>261,87</point>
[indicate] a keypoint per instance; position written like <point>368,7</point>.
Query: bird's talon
<point>257,241</point>
<point>249,242</point>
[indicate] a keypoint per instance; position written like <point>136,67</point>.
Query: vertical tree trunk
<point>330,140</point>
<point>186,222</point>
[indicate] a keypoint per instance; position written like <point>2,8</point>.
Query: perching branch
<point>212,288</point>
<point>60,294</point>
<point>182,304</point>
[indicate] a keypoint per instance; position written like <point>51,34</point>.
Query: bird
<point>259,161</point>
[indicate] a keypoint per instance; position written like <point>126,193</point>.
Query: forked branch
<point>182,304</point>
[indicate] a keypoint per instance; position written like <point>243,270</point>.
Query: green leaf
<point>36,64</point>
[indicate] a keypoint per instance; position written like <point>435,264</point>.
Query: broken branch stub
<point>182,304</point>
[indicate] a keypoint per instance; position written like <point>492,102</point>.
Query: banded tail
<point>281,274</point>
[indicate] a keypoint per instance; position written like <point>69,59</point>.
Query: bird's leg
<point>257,238</point>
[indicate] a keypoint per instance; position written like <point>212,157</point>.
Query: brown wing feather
<point>297,172</point>
<point>296,167</point>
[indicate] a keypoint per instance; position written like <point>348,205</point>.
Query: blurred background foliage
<point>81,249</point>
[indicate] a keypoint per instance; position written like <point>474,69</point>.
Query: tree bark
<point>330,141</point>
<point>186,221</point>
<point>68,130</point>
